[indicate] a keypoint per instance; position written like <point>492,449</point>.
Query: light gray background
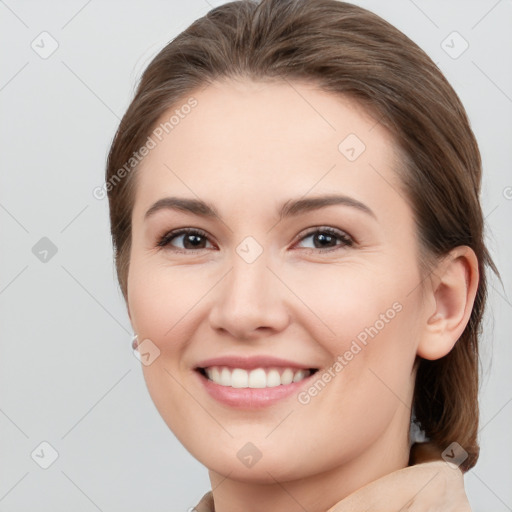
<point>67,372</point>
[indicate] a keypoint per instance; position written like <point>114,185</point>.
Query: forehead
<point>265,139</point>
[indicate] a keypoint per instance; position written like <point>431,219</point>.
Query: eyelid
<point>164,240</point>
<point>346,239</point>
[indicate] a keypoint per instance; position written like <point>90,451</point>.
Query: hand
<point>430,485</point>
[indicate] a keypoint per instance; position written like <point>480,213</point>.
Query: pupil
<point>324,237</point>
<point>195,240</point>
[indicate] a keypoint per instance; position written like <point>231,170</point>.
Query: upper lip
<point>249,363</point>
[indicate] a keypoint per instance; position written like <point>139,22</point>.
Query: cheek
<point>161,300</point>
<point>366,320</point>
<point>348,301</point>
<point>338,307</point>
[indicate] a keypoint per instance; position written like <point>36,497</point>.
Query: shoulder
<point>205,504</point>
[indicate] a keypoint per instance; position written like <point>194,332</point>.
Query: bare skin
<point>427,486</point>
<point>247,148</point>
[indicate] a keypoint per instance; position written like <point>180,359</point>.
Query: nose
<point>250,301</point>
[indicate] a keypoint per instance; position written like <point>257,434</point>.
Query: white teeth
<point>273,379</point>
<point>215,374</point>
<point>257,378</point>
<point>287,376</point>
<point>239,378</point>
<point>299,375</point>
<point>225,377</point>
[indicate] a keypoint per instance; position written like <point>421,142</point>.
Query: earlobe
<point>454,287</point>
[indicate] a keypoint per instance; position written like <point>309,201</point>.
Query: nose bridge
<point>248,285</point>
<point>249,297</point>
<point>249,274</point>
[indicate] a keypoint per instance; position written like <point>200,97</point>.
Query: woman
<point>294,203</point>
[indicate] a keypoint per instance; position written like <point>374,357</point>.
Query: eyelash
<point>346,241</point>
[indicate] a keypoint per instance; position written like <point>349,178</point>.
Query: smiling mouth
<point>255,378</point>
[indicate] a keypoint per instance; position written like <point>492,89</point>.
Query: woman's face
<point>328,285</point>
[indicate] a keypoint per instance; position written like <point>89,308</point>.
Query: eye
<point>326,238</point>
<point>192,239</point>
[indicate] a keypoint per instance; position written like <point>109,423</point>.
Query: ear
<point>452,291</point>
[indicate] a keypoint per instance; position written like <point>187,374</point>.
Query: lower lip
<point>251,398</point>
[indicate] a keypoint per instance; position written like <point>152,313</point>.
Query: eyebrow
<point>288,209</point>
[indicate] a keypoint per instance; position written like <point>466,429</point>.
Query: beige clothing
<point>398,489</point>
<point>206,503</point>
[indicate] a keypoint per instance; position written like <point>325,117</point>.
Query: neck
<point>318,492</point>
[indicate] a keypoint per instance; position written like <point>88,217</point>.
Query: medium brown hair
<point>349,51</point>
